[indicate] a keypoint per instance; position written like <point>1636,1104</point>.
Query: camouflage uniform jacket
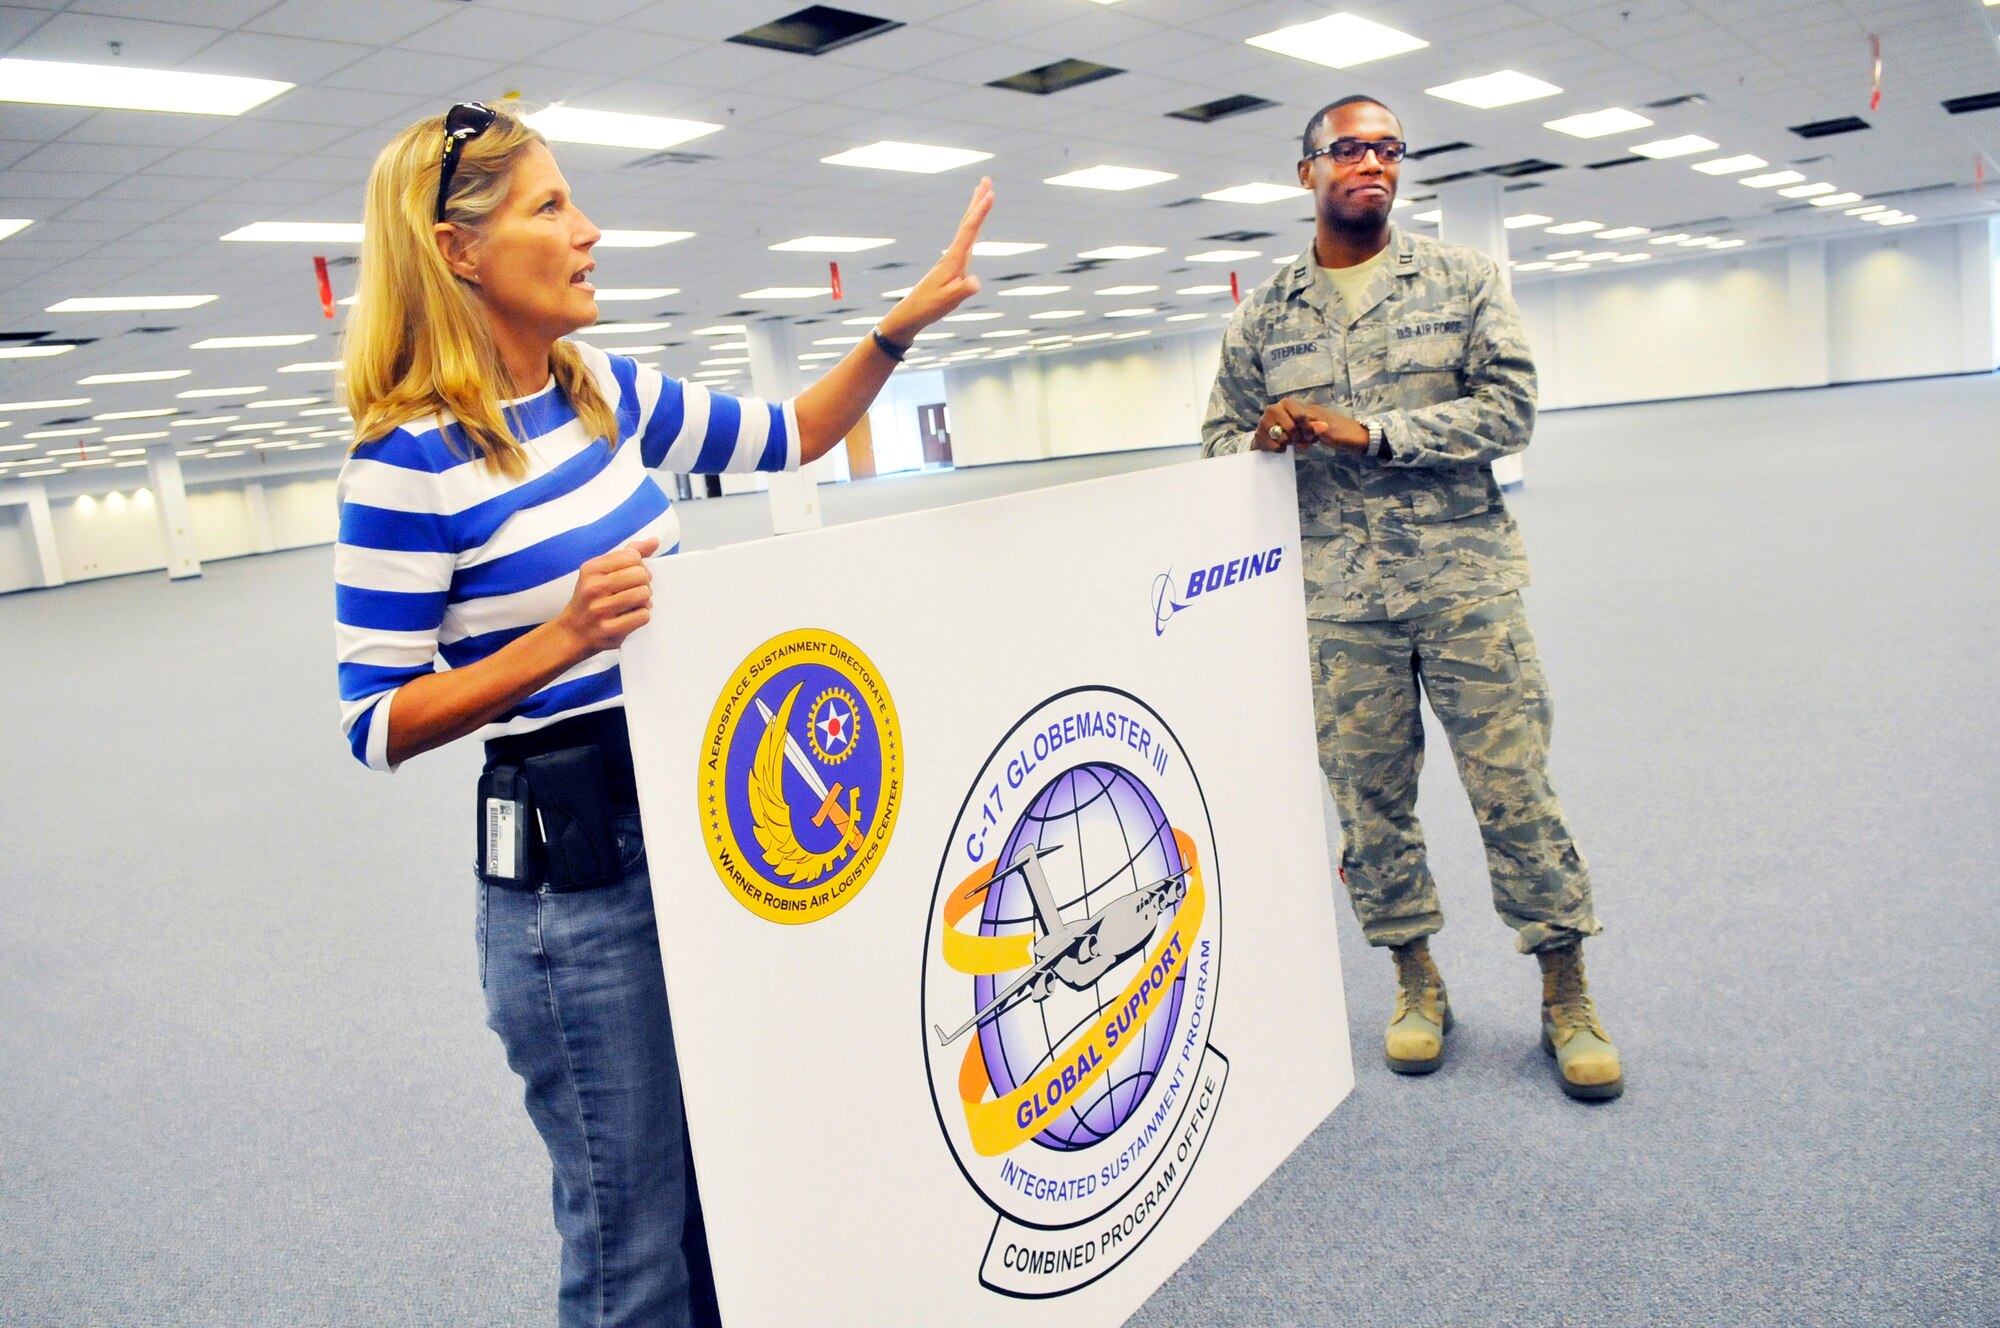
<point>1436,356</point>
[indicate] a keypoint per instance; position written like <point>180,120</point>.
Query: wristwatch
<point>1378,441</point>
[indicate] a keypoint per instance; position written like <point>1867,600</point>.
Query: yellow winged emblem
<point>771,815</point>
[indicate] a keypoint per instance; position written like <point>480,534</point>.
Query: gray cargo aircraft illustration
<point>1077,953</point>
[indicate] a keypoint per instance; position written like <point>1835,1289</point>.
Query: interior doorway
<point>935,429</point>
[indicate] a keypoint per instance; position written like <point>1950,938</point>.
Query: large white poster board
<point>993,890</point>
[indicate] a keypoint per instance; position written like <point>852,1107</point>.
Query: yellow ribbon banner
<point>1003,1124</point>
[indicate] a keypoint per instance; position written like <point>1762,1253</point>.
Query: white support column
<point>775,376</point>
<point>1474,216</point>
<point>1805,294</point>
<point>1978,277</point>
<point>170,501</point>
<point>41,527</point>
<point>261,539</point>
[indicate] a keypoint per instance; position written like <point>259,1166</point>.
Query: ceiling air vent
<point>667,158</point>
<point>1240,237</point>
<point>1452,178</point>
<point>1526,166</point>
<point>22,336</point>
<point>1685,99</point>
<point>1616,161</point>
<point>1915,189</point>
<point>1211,111</point>
<point>1978,101</point>
<point>1846,124</point>
<point>1525,184</point>
<point>815,30</point>
<point>1421,154</point>
<point>1056,77</point>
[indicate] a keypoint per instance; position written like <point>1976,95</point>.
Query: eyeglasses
<point>1347,151</point>
<point>463,123</point>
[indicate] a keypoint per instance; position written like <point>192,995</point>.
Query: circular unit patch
<point>801,776</point>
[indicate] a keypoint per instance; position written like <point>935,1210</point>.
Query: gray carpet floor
<point>244,1077</point>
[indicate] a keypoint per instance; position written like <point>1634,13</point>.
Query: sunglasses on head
<point>462,123</point>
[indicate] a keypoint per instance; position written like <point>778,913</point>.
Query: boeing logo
<point>1207,581</point>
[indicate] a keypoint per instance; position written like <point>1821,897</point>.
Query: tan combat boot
<point>1414,1043</point>
<point>1587,1062</point>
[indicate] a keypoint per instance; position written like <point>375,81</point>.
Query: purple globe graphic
<point>1102,835</point>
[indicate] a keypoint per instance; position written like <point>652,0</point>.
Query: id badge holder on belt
<point>506,828</point>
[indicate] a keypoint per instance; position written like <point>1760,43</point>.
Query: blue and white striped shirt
<point>440,557</point>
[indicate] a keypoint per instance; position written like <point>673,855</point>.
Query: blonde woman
<point>496,515</point>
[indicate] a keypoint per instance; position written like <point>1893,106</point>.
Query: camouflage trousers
<point>1479,667</point>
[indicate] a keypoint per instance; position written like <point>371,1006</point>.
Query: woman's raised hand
<point>948,284</point>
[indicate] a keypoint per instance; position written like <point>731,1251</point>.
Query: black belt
<point>603,729</point>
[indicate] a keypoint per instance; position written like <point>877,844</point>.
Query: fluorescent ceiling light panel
<point>105,304</point>
<point>1131,313</point>
<point>1836,200</point>
<point>61,433</point>
<point>136,414</point>
<point>1731,165</point>
<point>831,244</point>
<point>222,391</point>
<point>150,376</point>
<point>1865,211</point>
<point>309,366</point>
<point>1225,255</point>
<point>898,293</point>
<point>1506,88</point>
<point>1596,124</point>
<point>1049,314</point>
<point>1515,223</point>
<point>1577,228</point>
<point>636,293</point>
<point>135,437</point>
<point>1115,251</point>
<point>1114,178</point>
<point>7,407</point>
<point>1684,146</point>
<point>1774,178</point>
<point>13,226</point>
<point>721,330</point>
<point>1203,290</point>
<point>1255,193</point>
<point>1127,290</point>
<point>1623,232</point>
<point>1433,215</point>
<point>271,402</point>
<point>297,232</point>
<point>916,158</point>
<point>192,423</point>
<point>1041,290</point>
<point>639,239</point>
<point>1338,41</point>
<point>1533,267</point>
<point>977,316</point>
<point>33,352</point>
<point>1727,244</point>
<point>1813,190</point>
<point>1181,318</point>
<point>1570,267</point>
<point>123,88</point>
<point>617,329</point>
<point>785,293</point>
<point>1003,248</point>
<point>616,129</point>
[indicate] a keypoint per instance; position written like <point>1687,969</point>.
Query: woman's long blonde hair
<point>417,341</point>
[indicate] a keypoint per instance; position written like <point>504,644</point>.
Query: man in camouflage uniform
<point>1396,370</point>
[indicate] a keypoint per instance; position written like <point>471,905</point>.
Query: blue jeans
<point>574,989</point>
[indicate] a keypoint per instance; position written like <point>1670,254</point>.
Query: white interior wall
<point>221,521</point>
<point>107,535</point>
<point>1897,303</point>
<point>1117,397</point>
<point>303,512</point>
<point>892,420</point>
